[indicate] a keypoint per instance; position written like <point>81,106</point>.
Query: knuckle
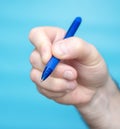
<point>33,75</point>
<point>34,32</point>
<point>78,43</point>
<point>33,57</point>
<point>92,47</point>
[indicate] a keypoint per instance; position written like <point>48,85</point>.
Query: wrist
<point>99,112</point>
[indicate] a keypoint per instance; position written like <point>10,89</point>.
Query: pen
<point>52,63</point>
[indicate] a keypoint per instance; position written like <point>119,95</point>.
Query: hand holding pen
<point>80,78</point>
<point>54,61</point>
<point>80,70</point>
<point>78,74</point>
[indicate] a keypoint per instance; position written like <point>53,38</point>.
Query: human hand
<point>79,75</point>
<point>80,79</point>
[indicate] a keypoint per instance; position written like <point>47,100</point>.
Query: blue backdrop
<point>21,106</point>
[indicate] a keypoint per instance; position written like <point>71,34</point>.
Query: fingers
<point>65,83</point>
<point>52,84</point>
<point>62,91</point>
<point>80,95</point>
<point>43,37</point>
<point>36,61</point>
<point>76,48</point>
<point>50,94</point>
<point>62,70</point>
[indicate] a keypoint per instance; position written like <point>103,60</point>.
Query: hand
<point>79,75</point>
<point>80,79</point>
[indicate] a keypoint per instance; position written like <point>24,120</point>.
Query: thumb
<point>76,48</point>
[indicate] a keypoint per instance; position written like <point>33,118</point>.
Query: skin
<point>80,79</point>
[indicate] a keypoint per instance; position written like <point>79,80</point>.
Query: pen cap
<point>73,28</point>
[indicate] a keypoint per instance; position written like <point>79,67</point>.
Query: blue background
<point>21,106</point>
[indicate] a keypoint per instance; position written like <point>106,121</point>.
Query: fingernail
<point>68,75</point>
<point>60,49</point>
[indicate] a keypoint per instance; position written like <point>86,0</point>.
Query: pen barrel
<point>53,62</point>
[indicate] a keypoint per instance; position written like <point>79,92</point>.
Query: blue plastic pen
<point>52,63</point>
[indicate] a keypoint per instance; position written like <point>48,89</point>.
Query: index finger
<point>43,37</point>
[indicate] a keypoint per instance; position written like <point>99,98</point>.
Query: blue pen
<point>52,63</point>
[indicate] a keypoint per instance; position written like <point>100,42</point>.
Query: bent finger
<point>43,37</point>
<point>36,61</point>
<point>61,71</point>
<point>50,94</point>
<point>52,84</point>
